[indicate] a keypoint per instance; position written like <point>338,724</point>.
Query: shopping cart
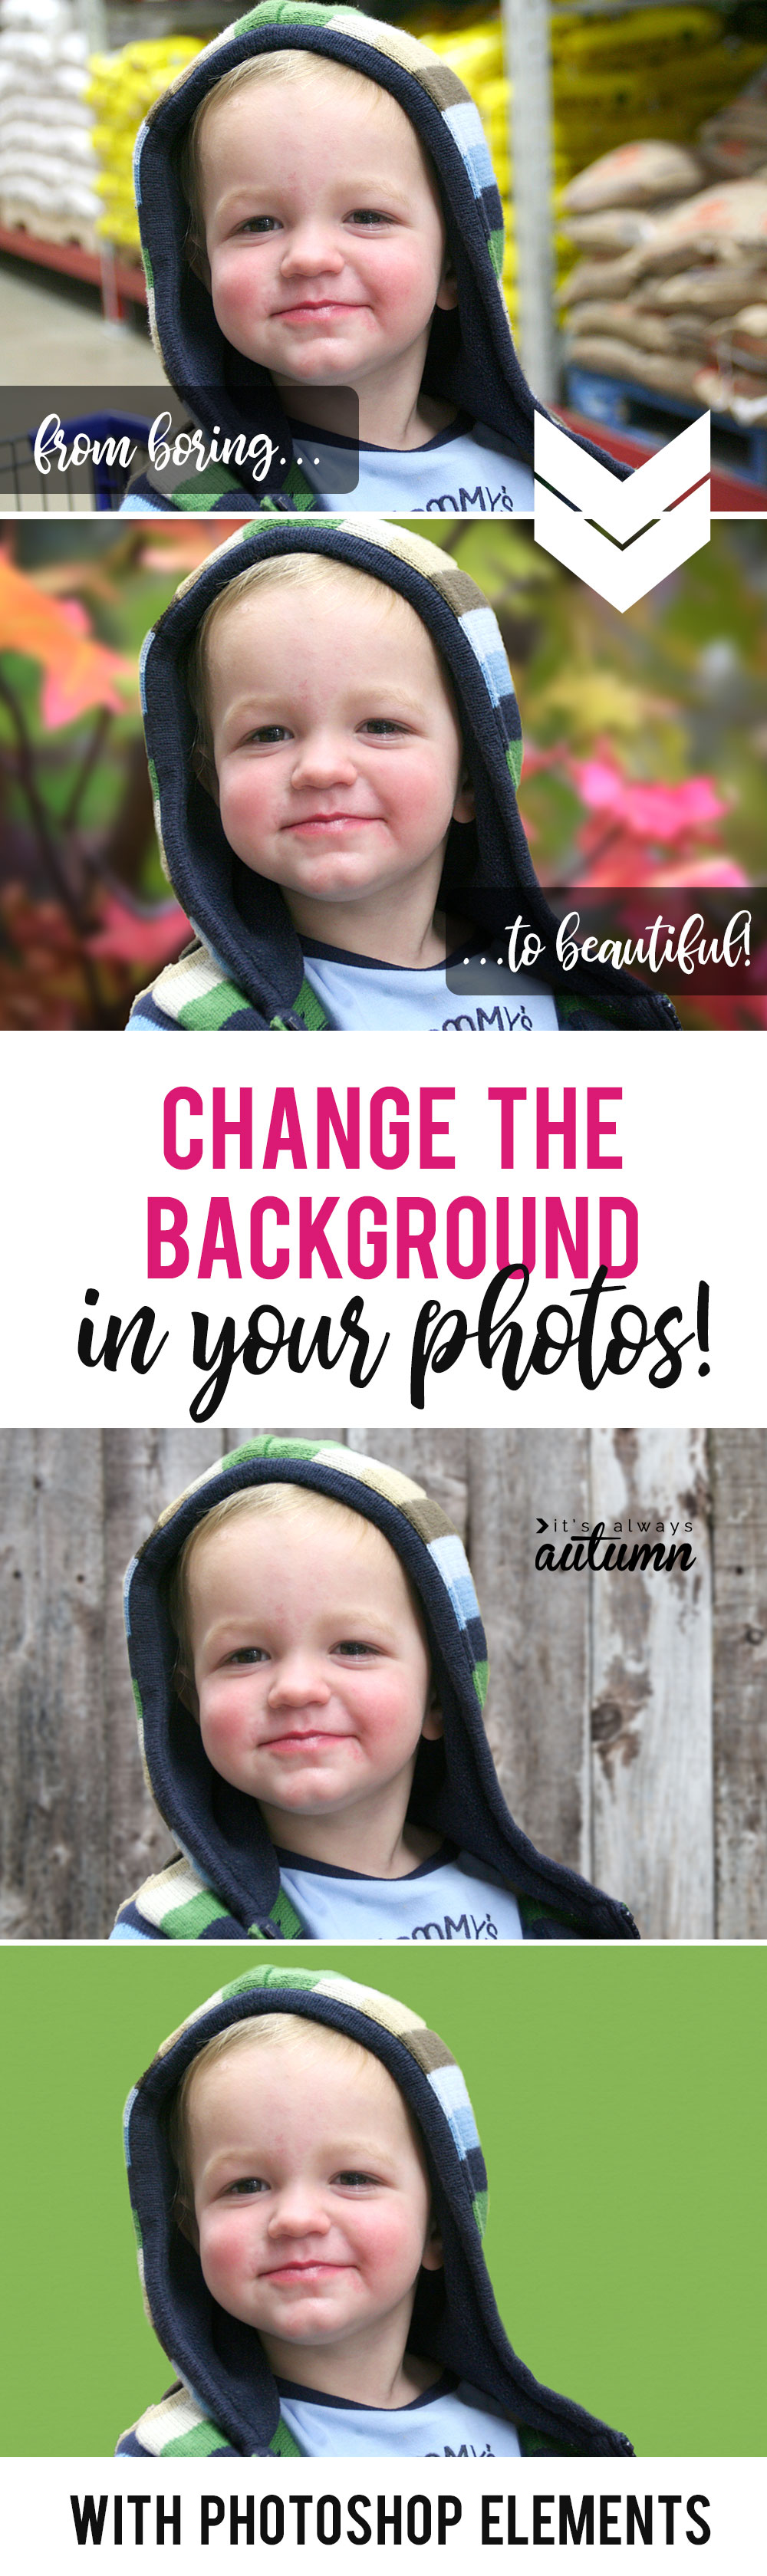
<point>98,483</point>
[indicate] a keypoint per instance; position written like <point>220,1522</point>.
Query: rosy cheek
<point>222,1724</point>
<point>235,280</point>
<point>391,2257</point>
<point>393,1703</point>
<point>406,281</point>
<point>245,808</point>
<point>428,803</point>
<point>221,2247</point>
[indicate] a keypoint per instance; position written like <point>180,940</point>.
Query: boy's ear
<point>432,2258</point>
<point>197,259</point>
<point>447,291</point>
<point>432,1727</point>
<point>464,809</point>
<point>204,770</point>
<point>185,1691</point>
<point>187,2226</point>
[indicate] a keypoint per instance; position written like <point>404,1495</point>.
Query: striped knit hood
<point>247,971</point>
<point>227,2399</point>
<point>471,361</point>
<point>227,1883</point>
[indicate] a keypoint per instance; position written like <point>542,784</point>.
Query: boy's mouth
<point>315,823</point>
<point>303,1740</point>
<point>302,2271</point>
<point>325,308</point>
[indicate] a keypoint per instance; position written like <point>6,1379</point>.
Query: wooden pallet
<point>119,281</point>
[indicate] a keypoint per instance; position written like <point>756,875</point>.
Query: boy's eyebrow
<point>248,1619</point>
<point>359,187</point>
<point>266,695</point>
<point>359,2148</point>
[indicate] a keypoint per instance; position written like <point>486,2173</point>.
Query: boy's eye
<point>353,2179</point>
<point>248,1655</point>
<point>260,224</point>
<point>379,725</point>
<point>368,215</point>
<point>355,1646</point>
<point>245,2186</point>
<point>268,733</point>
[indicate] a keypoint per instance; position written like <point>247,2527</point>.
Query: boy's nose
<point>297,1682</point>
<point>297,2211</point>
<point>312,250</point>
<point>324,759</point>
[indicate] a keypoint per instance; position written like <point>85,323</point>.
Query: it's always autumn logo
<point>632,1546</point>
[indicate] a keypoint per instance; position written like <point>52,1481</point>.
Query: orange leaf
<point>79,672</point>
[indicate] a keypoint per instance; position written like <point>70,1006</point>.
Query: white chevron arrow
<point>650,529</point>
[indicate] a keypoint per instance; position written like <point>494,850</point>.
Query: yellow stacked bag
<point>654,71</point>
<point>122,88</point>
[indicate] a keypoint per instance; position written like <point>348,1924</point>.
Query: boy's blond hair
<point>285,2030</point>
<point>272,1499</point>
<point>298,65</point>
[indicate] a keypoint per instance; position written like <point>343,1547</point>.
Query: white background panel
<point>725,2532</point>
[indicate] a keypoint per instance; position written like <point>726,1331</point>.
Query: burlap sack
<point>606,357</point>
<point>743,341</point>
<point>734,142</point>
<point>715,289</point>
<point>736,211</point>
<point>615,229</point>
<point>744,396</point>
<point>638,174</point>
<point>624,321</point>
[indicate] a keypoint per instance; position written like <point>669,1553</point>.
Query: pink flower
<point>137,938</point>
<point>658,813</point>
<point>693,871</point>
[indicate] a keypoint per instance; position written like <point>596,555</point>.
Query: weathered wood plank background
<point>627,1712</point>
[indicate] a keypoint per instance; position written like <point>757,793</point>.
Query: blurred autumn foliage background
<point>645,742</point>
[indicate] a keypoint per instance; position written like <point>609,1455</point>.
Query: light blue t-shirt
<point>449,1898</point>
<point>366,993</point>
<point>449,2422</point>
<point>465,468</point>
<point>462,468</point>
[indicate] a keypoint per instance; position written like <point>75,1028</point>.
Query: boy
<point>322,232</point>
<point>309,2194</point>
<point>334,745</point>
<point>309,1668</point>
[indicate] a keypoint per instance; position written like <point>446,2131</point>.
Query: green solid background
<point>620,2095</point>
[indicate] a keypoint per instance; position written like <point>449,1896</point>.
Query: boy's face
<point>324,234</point>
<point>311,2195</point>
<point>337,749</point>
<point>311,1670</point>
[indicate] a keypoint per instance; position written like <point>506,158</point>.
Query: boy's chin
<point>318,365</point>
<point>321,365</point>
<point>329,1800</point>
<point>334,381</point>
